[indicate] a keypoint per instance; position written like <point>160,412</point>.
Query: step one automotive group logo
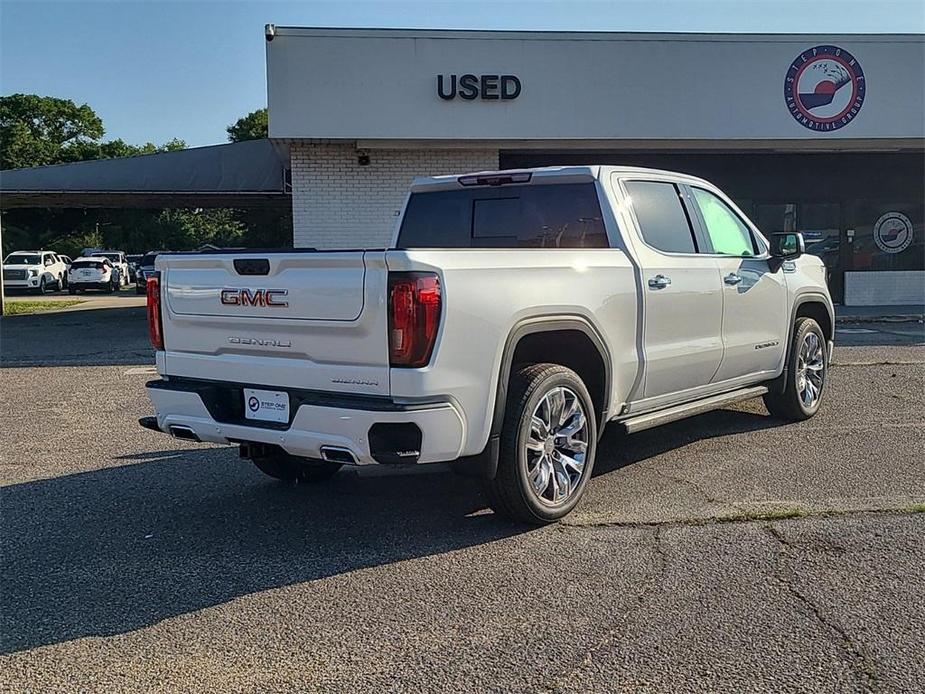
<point>824,88</point>
<point>893,232</point>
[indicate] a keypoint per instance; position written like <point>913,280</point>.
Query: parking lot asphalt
<point>728,552</point>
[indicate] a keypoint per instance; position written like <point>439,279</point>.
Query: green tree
<point>264,228</point>
<point>37,130</point>
<point>111,149</point>
<point>253,126</point>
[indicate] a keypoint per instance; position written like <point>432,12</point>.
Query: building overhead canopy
<point>569,87</point>
<point>241,174</point>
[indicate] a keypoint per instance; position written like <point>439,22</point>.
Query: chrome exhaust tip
<point>336,454</point>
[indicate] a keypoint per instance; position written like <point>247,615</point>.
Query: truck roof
<point>544,175</point>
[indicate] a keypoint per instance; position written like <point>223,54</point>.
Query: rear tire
<point>548,444</point>
<point>290,468</point>
<point>807,370</point>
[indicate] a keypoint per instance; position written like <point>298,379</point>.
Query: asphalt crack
<point>862,664</point>
<point>744,516</point>
<point>652,583</point>
<point>709,498</point>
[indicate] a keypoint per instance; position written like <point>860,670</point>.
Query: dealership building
<point>822,134</point>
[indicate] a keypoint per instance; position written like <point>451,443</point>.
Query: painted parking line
<point>140,370</point>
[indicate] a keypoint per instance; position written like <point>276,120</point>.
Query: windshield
<point>22,260</point>
<point>112,256</point>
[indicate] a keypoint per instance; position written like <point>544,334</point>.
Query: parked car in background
<point>515,314</point>
<point>117,259</point>
<point>66,259</point>
<point>145,268</point>
<point>133,261</point>
<point>95,272</point>
<point>36,271</point>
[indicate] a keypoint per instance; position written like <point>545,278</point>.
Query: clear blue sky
<point>154,70</point>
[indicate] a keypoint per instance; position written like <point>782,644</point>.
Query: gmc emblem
<point>255,297</point>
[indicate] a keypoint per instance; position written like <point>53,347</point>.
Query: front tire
<point>290,468</point>
<point>548,443</point>
<point>42,288</point>
<point>807,370</point>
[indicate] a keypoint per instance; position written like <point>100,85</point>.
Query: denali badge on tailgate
<point>255,297</point>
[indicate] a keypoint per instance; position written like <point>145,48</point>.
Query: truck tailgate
<point>308,320</point>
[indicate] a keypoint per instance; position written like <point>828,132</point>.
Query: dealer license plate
<point>266,405</point>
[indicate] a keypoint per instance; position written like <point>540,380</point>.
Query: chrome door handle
<point>732,278</point>
<point>659,282</point>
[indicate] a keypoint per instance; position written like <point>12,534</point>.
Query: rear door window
<point>535,216</point>
<point>662,219</point>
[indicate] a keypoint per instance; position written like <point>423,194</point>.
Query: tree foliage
<point>38,130</point>
<point>253,126</point>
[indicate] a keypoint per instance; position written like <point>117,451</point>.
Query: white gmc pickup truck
<point>515,314</point>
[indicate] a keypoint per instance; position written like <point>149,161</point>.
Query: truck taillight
<point>414,316</point>
<point>155,326</point>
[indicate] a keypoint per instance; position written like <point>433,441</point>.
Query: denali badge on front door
<point>266,405</point>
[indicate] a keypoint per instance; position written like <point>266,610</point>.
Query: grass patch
<point>12,308</point>
<point>770,514</point>
<point>915,508</point>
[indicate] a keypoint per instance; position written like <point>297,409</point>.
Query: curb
<point>908,318</point>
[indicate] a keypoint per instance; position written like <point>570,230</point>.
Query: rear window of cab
<point>564,215</point>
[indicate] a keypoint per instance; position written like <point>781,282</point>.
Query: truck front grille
<point>14,274</point>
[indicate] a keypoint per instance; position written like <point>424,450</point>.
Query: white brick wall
<point>338,204</point>
<point>893,288</point>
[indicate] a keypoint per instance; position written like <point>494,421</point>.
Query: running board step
<point>689,409</point>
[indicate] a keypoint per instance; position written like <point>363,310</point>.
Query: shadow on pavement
<point>118,549</point>
<point>617,450</point>
<point>98,337</point>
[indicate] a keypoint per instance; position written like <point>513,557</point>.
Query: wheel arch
<point>575,343</point>
<point>808,305</point>
<point>817,308</point>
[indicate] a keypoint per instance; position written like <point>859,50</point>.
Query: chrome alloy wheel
<point>810,370</point>
<point>557,446</point>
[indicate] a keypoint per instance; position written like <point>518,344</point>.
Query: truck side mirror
<point>786,245</point>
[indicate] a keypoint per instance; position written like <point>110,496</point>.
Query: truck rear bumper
<point>381,433</point>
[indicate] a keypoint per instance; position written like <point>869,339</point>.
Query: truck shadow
<point>113,550</point>
<point>617,450</point>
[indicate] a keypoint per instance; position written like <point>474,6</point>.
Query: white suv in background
<point>117,258</point>
<point>95,272</point>
<point>35,271</point>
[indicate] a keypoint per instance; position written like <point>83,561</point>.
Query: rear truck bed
<point>292,349</point>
